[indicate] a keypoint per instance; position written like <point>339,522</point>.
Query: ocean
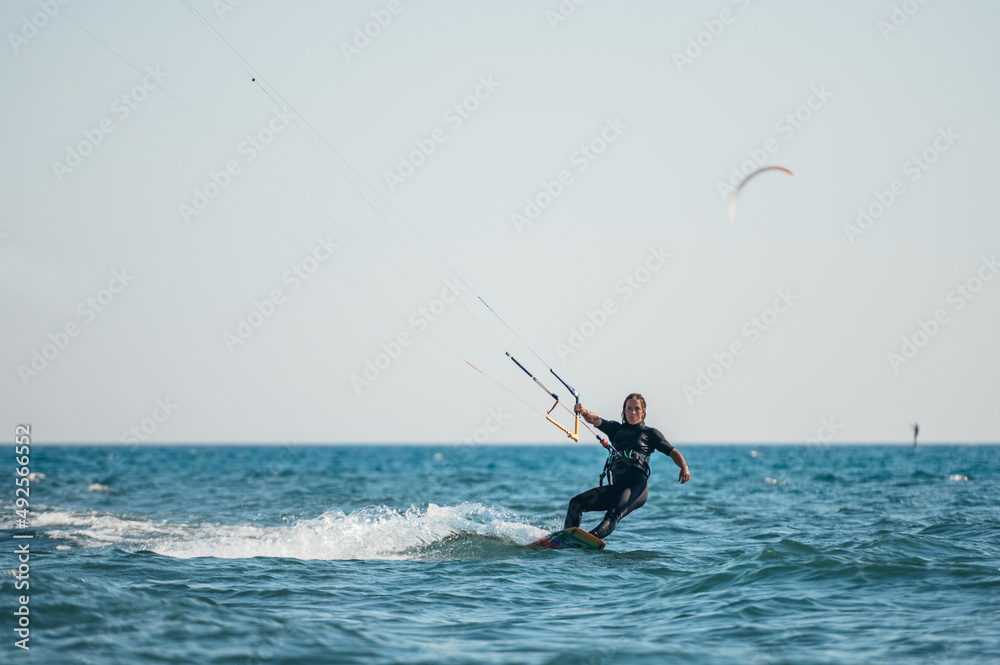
<point>414,554</point>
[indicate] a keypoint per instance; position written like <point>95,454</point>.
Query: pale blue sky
<point>157,357</point>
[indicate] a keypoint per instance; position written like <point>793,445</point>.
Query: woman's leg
<point>598,498</point>
<point>631,497</point>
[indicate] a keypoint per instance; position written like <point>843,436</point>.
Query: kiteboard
<point>574,537</point>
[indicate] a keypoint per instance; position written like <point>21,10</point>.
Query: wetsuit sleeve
<point>660,442</point>
<point>609,427</point>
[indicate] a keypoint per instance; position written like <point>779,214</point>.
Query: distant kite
<point>736,193</point>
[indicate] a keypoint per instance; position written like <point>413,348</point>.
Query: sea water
<point>414,554</point>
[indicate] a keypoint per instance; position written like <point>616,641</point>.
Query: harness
<point>629,458</point>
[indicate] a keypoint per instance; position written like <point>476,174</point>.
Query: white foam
<point>370,533</point>
<point>375,532</point>
<point>94,528</point>
<point>97,487</point>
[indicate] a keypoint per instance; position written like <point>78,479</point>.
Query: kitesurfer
<point>629,473</point>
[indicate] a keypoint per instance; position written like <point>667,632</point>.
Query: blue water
<point>300,554</point>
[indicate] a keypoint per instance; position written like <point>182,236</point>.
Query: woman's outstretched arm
<point>591,418</point>
<point>678,459</point>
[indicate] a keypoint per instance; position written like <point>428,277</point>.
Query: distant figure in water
<point>916,431</point>
<point>627,490</point>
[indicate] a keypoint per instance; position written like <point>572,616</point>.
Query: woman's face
<point>634,413</point>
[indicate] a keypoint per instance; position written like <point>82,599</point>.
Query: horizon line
<point>118,444</point>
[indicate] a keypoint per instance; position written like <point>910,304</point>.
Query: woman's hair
<point>642,400</point>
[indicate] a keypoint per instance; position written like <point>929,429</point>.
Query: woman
<point>628,489</point>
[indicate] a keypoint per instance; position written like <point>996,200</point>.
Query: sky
<point>262,222</point>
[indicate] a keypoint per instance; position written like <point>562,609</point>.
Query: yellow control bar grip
<point>573,435</point>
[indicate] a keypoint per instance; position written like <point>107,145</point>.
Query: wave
<point>373,532</point>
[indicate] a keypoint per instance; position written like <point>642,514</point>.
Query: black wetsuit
<point>628,489</point>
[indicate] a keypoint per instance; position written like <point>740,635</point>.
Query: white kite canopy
<point>736,193</point>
